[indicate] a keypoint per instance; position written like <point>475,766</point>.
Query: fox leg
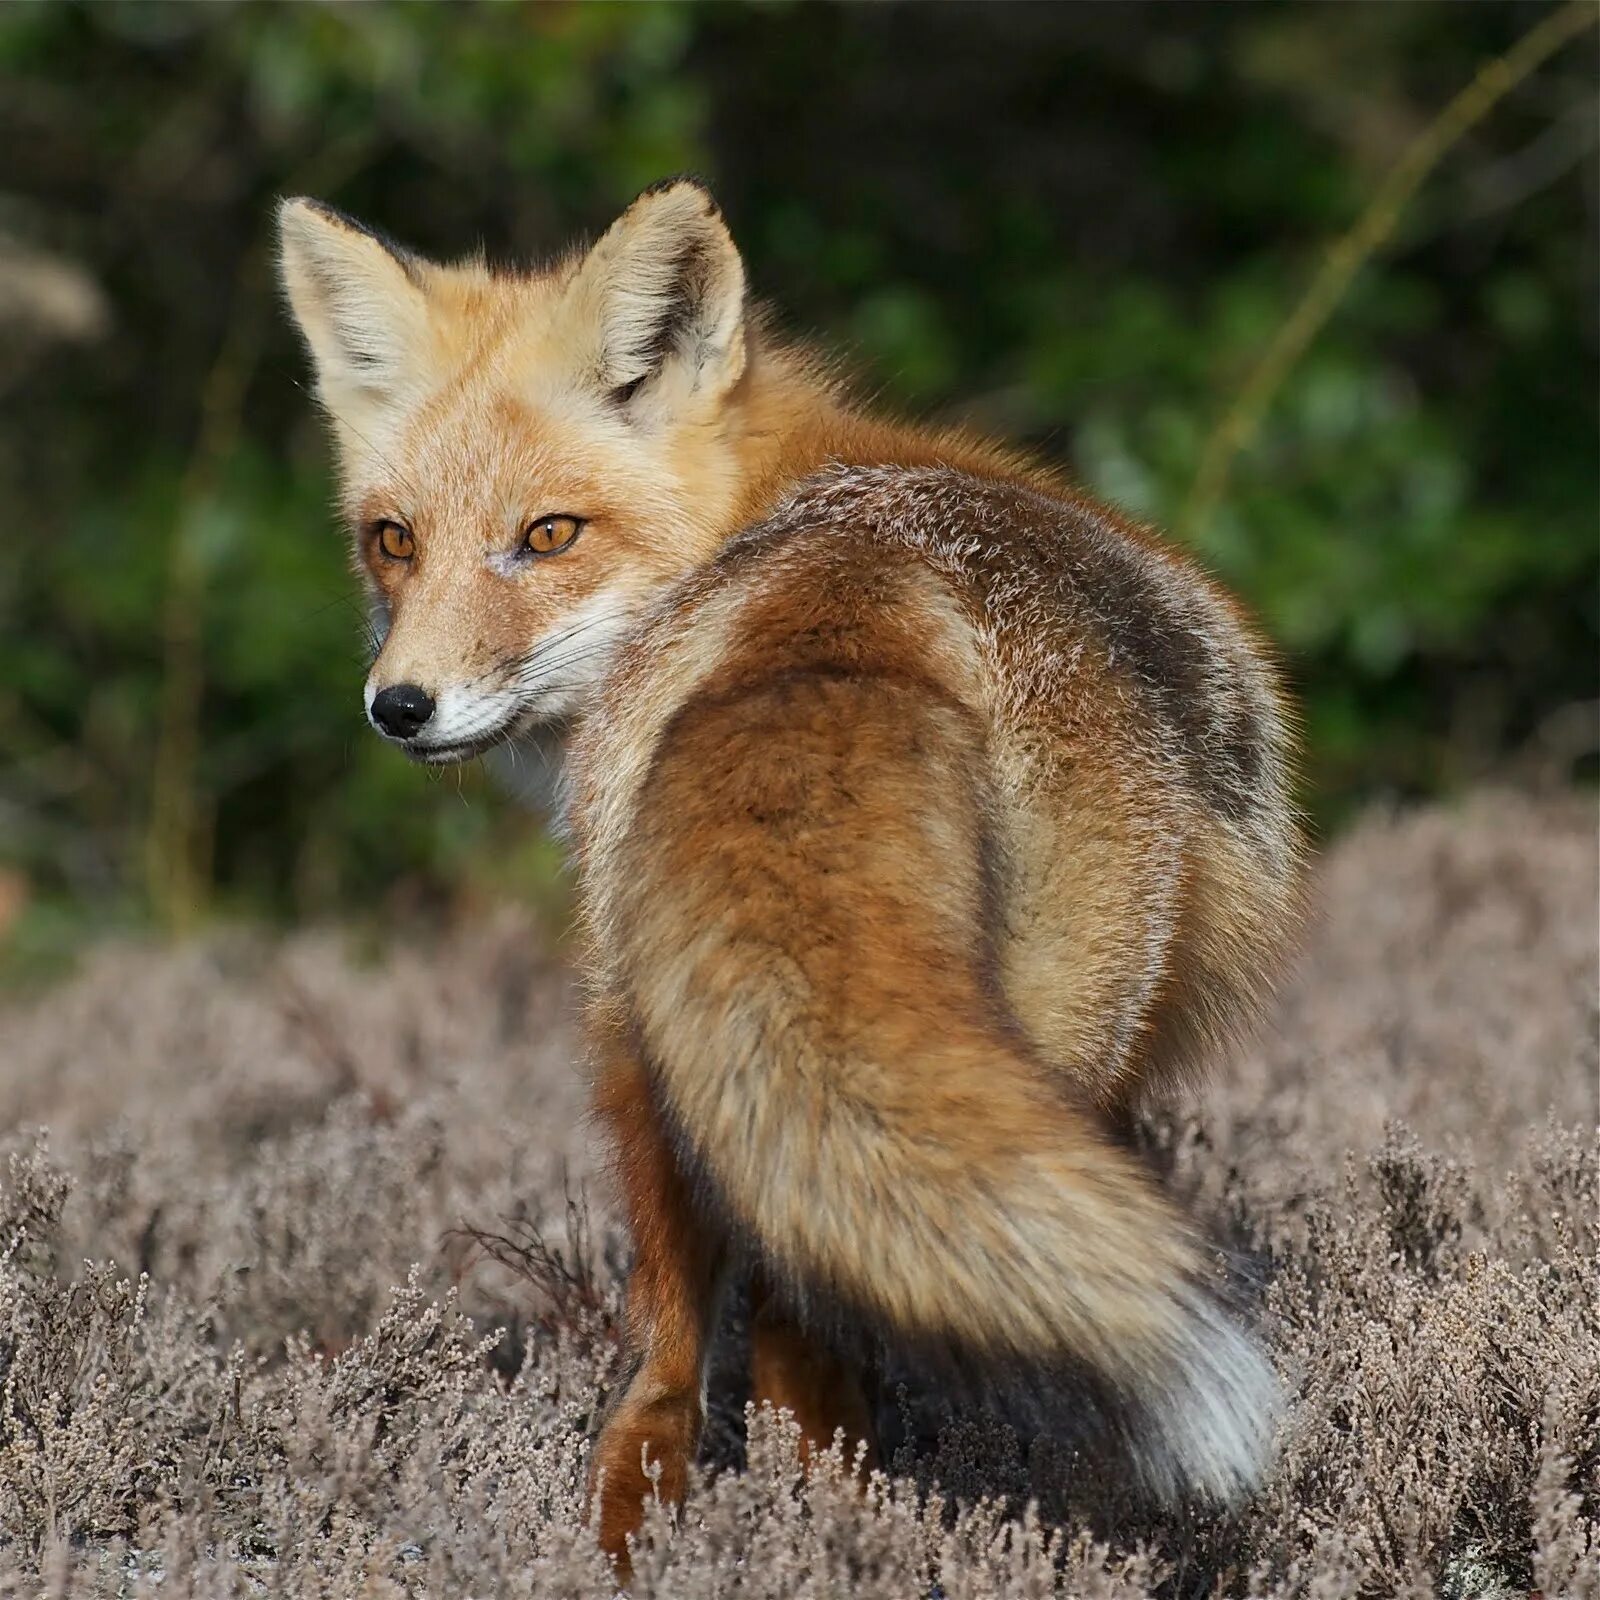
<point>792,1370</point>
<point>653,1427</point>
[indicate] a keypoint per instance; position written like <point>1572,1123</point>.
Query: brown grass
<point>245,1347</point>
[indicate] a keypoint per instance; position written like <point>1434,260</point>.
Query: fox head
<point>525,458</point>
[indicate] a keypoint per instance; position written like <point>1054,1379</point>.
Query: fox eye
<point>550,534</point>
<point>396,541</point>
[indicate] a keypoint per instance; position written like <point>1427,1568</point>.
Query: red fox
<point>927,814</point>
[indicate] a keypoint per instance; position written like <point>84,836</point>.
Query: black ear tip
<point>688,181</point>
<point>294,209</point>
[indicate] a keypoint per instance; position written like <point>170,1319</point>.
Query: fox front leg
<point>651,1433</point>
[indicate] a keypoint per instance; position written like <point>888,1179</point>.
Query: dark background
<point>1081,225</point>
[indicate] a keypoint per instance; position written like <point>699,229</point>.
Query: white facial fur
<point>550,684</point>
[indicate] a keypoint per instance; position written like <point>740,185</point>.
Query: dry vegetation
<point>243,1349</point>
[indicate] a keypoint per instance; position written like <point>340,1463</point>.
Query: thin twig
<point>1345,258</point>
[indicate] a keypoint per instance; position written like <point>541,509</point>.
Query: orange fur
<point>928,814</point>
<point>653,1427</point>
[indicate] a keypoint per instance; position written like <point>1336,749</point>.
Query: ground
<point>311,1287</point>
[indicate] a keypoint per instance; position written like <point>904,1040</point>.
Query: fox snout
<point>402,710</point>
<point>445,721</point>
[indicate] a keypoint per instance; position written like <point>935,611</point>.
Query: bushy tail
<point>805,941</point>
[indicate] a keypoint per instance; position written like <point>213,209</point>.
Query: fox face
<point>525,458</point>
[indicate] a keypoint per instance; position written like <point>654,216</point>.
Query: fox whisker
<point>534,660</point>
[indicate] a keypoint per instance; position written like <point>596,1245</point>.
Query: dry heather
<point>243,1349</point>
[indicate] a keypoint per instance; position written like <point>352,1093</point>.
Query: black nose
<point>401,709</point>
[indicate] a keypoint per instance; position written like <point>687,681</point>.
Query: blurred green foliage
<point>1077,225</point>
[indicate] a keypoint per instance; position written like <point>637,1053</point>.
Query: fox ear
<point>665,289</point>
<point>358,298</point>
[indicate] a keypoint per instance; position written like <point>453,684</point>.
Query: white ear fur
<point>358,299</point>
<point>664,290</point>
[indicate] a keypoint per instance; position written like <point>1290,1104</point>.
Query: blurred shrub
<point>1076,225</point>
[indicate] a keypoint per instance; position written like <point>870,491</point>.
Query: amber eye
<point>396,541</point>
<point>550,534</point>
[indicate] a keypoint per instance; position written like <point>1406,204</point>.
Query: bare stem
<point>1348,254</point>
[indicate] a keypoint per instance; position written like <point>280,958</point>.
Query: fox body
<point>927,815</point>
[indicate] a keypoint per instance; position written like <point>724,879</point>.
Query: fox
<point>927,817</point>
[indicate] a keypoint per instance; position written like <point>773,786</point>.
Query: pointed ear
<point>663,293</point>
<point>358,298</point>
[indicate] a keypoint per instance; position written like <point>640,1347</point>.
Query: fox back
<point>1142,858</point>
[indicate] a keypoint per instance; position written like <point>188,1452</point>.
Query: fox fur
<point>927,813</point>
